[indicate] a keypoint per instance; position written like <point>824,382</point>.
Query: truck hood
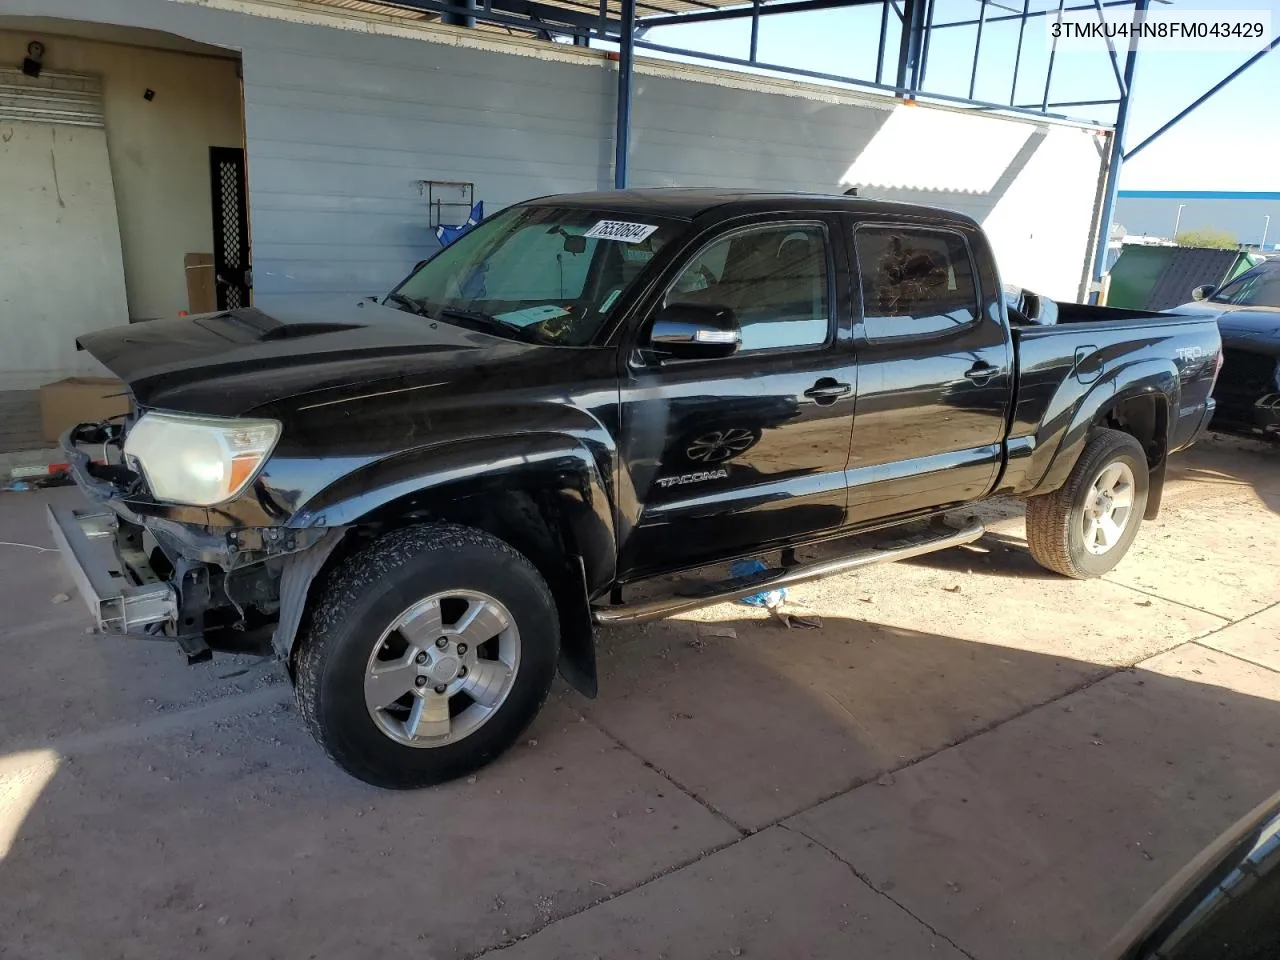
<point>1256,329</point>
<point>228,363</point>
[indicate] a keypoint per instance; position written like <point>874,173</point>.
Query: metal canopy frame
<point>624,24</point>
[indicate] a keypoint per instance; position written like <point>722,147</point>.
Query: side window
<point>774,279</point>
<point>915,283</point>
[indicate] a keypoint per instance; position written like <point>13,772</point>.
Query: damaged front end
<point>150,570</point>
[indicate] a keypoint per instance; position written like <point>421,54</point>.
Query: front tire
<point>1085,527</point>
<point>427,655</point>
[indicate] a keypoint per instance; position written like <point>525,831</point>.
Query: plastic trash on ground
<point>769,598</point>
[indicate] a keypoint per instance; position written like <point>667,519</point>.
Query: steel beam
<point>518,14</point>
<point>755,28</point>
<point>884,30</point>
<point>1030,16</point>
<point>1116,157</point>
<point>1017,58</point>
<point>626,63</point>
<point>854,81</point>
<point>977,48</point>
<point>1111,47</point>
<point>1204,96</point>
<point>1053,53</point>
<point>739,13</point>
<point>924,47</point>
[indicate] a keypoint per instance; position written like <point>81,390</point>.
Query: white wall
<point>60,270</point>
<point>1032,185</point>
<point>159,152</point>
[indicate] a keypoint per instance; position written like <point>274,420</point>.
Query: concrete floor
<point>970,758</point>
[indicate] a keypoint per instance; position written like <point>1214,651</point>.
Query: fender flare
<point>1143,378</point>
<point>557,465</point>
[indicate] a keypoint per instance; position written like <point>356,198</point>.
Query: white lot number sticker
<point>621,231</point>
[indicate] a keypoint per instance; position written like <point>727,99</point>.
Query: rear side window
<point>915,283</point>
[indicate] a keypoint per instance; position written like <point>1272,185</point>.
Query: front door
<point>727,455</point>
<point>934,372</point>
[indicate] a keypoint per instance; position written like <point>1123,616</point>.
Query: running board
<point>766,580</point>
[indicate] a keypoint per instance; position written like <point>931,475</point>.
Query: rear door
<point>727,456</point>
<point>934,370</point>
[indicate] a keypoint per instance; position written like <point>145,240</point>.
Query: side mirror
<point>684,331</point>
<point>1203,292</point>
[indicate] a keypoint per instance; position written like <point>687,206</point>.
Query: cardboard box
<point>78,400</point>
<point>202,292</point>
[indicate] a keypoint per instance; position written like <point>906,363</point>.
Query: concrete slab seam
<point>570,914</point>
<point>1235,656</point>
<point>1177,603</point>
<point>688,792</point>
<point>871,886</point>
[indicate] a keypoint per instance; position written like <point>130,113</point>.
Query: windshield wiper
<point>481,319</point>
<point>413,306</point>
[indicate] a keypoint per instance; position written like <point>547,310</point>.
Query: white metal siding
<point>342,129</point>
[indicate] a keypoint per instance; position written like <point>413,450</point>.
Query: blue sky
<point>1232,142</point>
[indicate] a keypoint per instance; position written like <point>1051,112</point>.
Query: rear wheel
<point>1085,527</point>
<point>427,655</point>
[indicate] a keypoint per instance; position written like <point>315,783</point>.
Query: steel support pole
<point>977,47</point>
<point>755,29</point>
<point>626,58</point>
<point>1017,57</point>
<point>924,45</point>
<point>1053,53</point>
<point>884,29</point>
<point>461,20</point>
<point>909,48</point>
<point>1116,157</point>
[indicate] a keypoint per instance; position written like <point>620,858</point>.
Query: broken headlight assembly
<point>200,461</point>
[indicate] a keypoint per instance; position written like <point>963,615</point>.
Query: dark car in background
<point>1223,905</point>
<point>1248,311</point>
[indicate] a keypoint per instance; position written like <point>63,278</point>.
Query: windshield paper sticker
<point>621,231</point>
<point>531,315</point>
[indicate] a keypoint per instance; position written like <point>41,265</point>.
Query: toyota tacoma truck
<point>423,505</point>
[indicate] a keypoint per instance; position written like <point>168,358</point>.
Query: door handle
<point>827,390</point>
<point>982,371</point>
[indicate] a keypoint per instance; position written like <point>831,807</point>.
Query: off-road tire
<point>364,595</point>
<point>1055,520</point>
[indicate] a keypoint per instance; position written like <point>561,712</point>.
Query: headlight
<point>199,460</point>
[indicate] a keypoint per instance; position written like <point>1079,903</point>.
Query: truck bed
<point>1087,313</point>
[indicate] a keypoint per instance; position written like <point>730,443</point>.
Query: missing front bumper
<point>129,600</point>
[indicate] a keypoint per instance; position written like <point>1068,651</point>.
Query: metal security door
<point>232,274</point>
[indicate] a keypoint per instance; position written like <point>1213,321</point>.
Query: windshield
<point>544,274</point>
<point>1259,287</point>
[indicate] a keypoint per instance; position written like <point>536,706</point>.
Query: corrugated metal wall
<point>342,128</point>
<point>343,123</point>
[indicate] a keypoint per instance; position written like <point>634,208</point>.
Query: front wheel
<point>1085,527</point>
<point>427,655</point>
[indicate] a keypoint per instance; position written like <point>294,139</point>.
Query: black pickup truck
<point>423,506</point>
